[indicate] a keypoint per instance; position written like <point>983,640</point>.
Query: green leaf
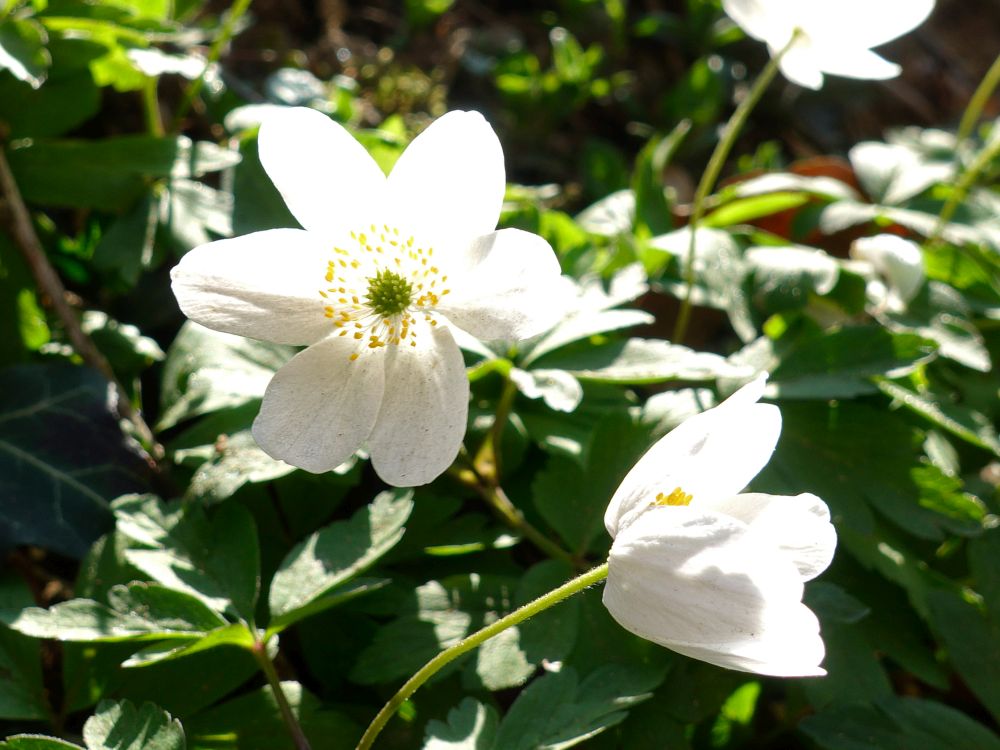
<point>122,726</point>
<point>839,362</point>
<point>22,694</point>
<point>973,642</point>
<point>571,499</point>
<point>312,572</point>
<point>470,726</point>
<point>236,634</point>
<point>62,457</point>
<point>138,611</point>
<point>743,210</point>
<point>253,722</point>
<point>110,174</point>
<point>639,361</point>
<point>22,50</point>
<point>198,213</point>
<point>584,324</point>
<point>559,710</point>
<point>257,204</point>
<point>36,742</point>
<point>206,371</point>
<point>961,421</point>
<point>894,722</point>
<point>126,248</point>
<point>216,560</point>
<point>233,460</point>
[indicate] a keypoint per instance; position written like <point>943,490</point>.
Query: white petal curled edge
<point>327,179</point>
<point>263,285</point>
<point>422,421</point>
<point>447,187</point>
<point>863,23</point>
<point>852,62</point>
<point>319,408</point>
<point>701,584</point>
<point>710,456</point>
<point>799,65</point>
<point>798,526</point>
<point>507,286</point>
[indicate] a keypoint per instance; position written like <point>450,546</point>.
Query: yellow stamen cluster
<point>677,497</point>
<point>379,285</point>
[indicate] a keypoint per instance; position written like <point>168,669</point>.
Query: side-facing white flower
<point>899,264</point>
<point>706,571</point>
<point>382,268</point>
<point>835,36</point>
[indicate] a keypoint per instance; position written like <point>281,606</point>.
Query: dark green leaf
<point>22,50</point>
<point>22,694</point>
<point>62,457</point>
<point>314,569</point>
<point>471,726</point>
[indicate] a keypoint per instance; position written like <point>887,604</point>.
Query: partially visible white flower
<point>706,571</point>
<point>899,265</point>
<point>835,36</point>
<point>382,270</point>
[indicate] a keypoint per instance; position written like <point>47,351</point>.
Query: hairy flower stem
<point>962,187</point>
<point>711,175</point>
<point>978,101</point>
<point>487,461</point>
<point>288,716</point>
<point>194,88</point>
<point>574,586</point>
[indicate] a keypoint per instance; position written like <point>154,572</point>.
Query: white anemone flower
<point>899,264</point>
<point>834,37</point>
<point>707,571</point>
<point>372,284</point>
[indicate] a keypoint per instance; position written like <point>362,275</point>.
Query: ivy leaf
<point>308,579</point>
<point>62,457</point>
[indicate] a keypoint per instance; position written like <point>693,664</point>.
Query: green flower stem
<point>574,586</point>
<point>151,106</point>
<point>711,175</point>
<point>194,88</point>
<point>978,101</point>
<point>962,187</point>
<point>259,651</point>
<point>487,461</point>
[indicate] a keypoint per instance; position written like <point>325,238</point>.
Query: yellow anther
<point>676,497</point>
<point>354,357</point>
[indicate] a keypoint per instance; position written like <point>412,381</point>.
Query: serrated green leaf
<point>62,457</point>
<point>216,560</point>
<point>894,722</point>
<point>206,371</point>
<point>138,611</point>
<point>470,726</point>
<point>122,726</point>
<point>839,362</point>
<point>253,722</point>
<point>314,569</point>
<point>236,634</point>
<point>559,711</point>
<point>36,742</point>
<point>639,361</point>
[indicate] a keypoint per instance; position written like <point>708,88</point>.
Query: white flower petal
<point>263,285</point>
<point>899,261</point>
<point>799,65</point>
<point>862,23</point>
<point>702,584</point>
<point>799,526</point>
<point>712,455</point>
<point>854,63</point>
<point>448,185</point>
<point>328,180</point>
<point>506,286</point>
<point>760,18</point>
<point>424,411</point>
<point>321,406</point>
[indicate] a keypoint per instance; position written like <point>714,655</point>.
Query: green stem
<point>574,586</point>
<point>225,34</point>
<point>962,187</point>
<point>151,106</point>
<point>487,461</point>
<point>711,175</point>
<point>267,667</point>
<point>978,101</point>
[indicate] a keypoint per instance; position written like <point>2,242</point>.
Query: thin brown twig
<point>17,221</point>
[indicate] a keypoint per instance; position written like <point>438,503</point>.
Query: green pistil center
<point>388,293</point>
